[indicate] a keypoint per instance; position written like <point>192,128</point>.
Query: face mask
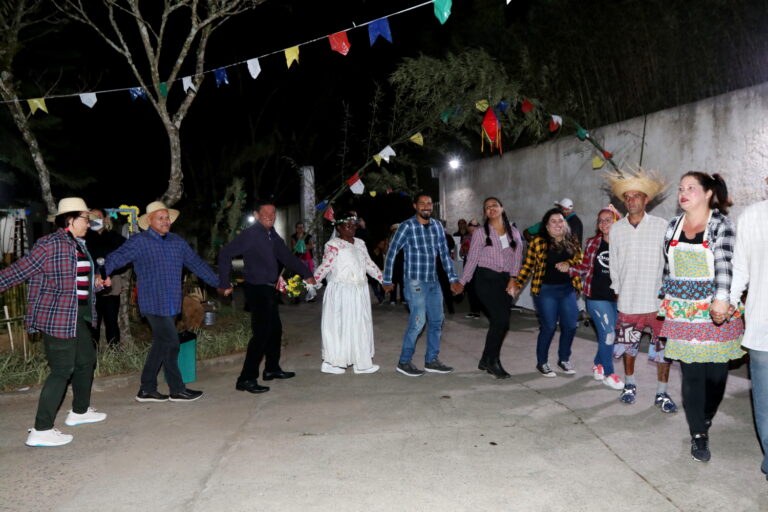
<point>97,224</point>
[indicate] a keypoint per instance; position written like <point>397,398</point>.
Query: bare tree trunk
<point>123,318</point>
<point>8,92</point>
<point>175,185</point>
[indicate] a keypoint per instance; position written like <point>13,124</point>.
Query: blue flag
<point>378,28</point>
<point>221,77</point>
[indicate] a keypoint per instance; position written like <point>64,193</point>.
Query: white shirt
<point>750,267</point>
<point>636,256</point>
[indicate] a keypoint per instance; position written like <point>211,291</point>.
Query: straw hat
<point>69,204</point>
<point>650,183</point>
<point>155,206</point>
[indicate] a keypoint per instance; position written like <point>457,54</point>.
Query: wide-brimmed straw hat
<point>69,204</point>
<point>650,183</point>
<point>155,206</point>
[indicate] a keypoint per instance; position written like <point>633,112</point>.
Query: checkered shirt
<point>721,237</point>
<point>535,265</point>
<point>159,262</point>
<point>586,269</point>
<point>421,245</point>
<point>51,269</point>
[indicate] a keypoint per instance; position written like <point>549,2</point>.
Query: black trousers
<point>266,329</point>
<point>703,389</point>
<point>491,287</point>
<point>107,309</point>
<point>164,353</point>
<point>474,301</point>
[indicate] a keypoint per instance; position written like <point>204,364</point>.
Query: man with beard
<point>422,239</point>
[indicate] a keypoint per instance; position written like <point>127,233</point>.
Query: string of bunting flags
<point>339,42</point>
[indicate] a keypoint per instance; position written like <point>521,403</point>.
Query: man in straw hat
<point>637,263</point>
<point>159,256</point>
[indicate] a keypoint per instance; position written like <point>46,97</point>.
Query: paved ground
<point>386,442</point>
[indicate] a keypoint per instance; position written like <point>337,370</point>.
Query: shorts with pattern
<point>629,330</point>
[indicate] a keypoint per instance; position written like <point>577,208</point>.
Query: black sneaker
<point>700,448</point>
<point>409,369</point>
<point>188,395</point>
<point>437,367</point>
<point>151,396</point>
<point>567,367</point>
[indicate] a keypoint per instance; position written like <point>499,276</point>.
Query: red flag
<point>352,179</point>
<point>607,154</point>
<point>340,42</point>
<point>527,106</point>
<point>553,126</point>
<point>328,215</point>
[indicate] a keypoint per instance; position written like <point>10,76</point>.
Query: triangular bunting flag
<point>254,68</point>
<point>328,215</point>
<point>340,42</point>
<point>377,158</point>
<point>482,105</point>
<point>88,99</point>
<point>291,55</point>
<point>502,106</point>
<point>186,82</point>
<point>417,138</point>
<point>386,153</point>
<point>163,88</point>
<point>321,205</point>
<point>37,103</point>
<point>555,123</point>
<point>582,134</point>
<point>442,10</point>
<point>527,106</point>
<point>137,92</point>
<point>356,184</point>
<point>597,162</point>
<point>607,154</point>
<point>378,28</point>
<point>221,77</point>
<point>372,193</point>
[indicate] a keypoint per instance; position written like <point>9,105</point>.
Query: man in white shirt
<point>636,264</point>
<point>749,268</point>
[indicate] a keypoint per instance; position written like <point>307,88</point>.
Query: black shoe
<point>700,448</point>
<point>251,386</point>
<point>151,396</point>
<point>188,395</point>
<point>278,374</point>
<point>494,368</point>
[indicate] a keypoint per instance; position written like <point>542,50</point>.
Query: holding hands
<point>563,266</point>
<point>457,288</point>
<point>720,311</point>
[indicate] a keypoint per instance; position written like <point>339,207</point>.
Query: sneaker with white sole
<point>409,369</point>
<point>598,373</point>
<point>567,367</point>
<point>372,369</point>
<point>89,416</point>
<point>51,437</point>
<point>664,402</point>
<point>329,368</point>
<point>613,381</point>
<point>545,370</point>
<point>437,366</point>
<point>628,394</point>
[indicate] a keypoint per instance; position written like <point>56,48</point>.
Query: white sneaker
<point>597,372</point>
<point>329,368</point>
<point>50,437</point>
<point>613,381</point>
<point>89,416</point>
<point>372,369</point>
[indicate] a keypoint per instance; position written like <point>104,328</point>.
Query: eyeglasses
<point>84,217</point>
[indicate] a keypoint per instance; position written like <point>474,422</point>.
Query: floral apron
<point>688,292</point>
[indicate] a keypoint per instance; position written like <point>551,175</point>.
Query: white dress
<point>347,326</point>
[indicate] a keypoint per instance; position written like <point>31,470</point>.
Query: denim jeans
<point>556,302</point>
<point>425,301</point>
<point>758,368</point>
<point>604,315</point>
<point>163,352</point>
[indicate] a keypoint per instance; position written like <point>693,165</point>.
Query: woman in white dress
<point>347,327</point>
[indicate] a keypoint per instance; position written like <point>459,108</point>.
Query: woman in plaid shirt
<point>554,291</point>
<point>698,246</point>
<point>61,307</point>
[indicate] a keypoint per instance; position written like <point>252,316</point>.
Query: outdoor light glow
<point>454,163</point>
<point>251,219</point>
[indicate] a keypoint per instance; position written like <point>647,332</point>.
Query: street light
<point>251,219</point>
<point>454,163</point>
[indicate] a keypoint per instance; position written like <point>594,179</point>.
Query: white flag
<point>186,82</point>
<point>386,153</point>
<point>88,99</point>
<point>357,187</point>
<point>254,68</point>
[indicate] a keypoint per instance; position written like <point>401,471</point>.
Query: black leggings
<point>703,389</point>
<point>491,287</point>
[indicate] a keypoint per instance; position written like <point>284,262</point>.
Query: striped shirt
<point>83,277</point>
<point>422,244</point>
<point>492,256</point>
<point>637,263</point>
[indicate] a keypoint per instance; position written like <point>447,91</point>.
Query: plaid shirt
<point>422,244</point>
<point>721,237</point>
<point>51,268</point>
<point>159,262</point>
<point>536,263</point>
<point>586,269</point>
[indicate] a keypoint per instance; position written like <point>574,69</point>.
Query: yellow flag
<point>482,105</point>
<point>417,138</point>
<point>291,55</point>
<point>37,103</point>
<point>372,193</point>
<point>597,162</point>
<point>378,159</point>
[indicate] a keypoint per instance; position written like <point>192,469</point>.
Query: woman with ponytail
<point>698,247</point>
<point>494,259</point>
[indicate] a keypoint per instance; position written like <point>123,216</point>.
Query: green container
<point>188,356</point>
